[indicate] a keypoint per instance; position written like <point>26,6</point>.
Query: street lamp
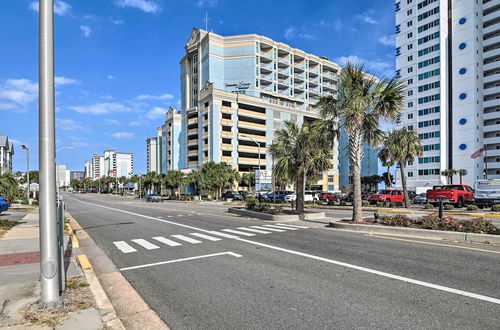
<point>258,146</point>
<point>25,147</point>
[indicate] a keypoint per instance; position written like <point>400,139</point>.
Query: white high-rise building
<point>88,170</point>
<point>152,154</point>
<point>448,54</point>
<point>118,164</point>
<point>97,166</point>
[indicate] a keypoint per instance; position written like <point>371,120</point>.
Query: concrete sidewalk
<point>20,285</point>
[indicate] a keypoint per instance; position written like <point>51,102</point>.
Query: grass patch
<point>77,297</point>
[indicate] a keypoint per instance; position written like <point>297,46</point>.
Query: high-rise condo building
<point>97,166</point>
<point>118,164</point>
<point>87,173</point>
<point>6,153</point>
<point>237,90</point>
<point>151,154</point>
<point>170,142</point>
<point>448,54</point>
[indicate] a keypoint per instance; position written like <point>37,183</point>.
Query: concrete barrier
<point>424,233</point>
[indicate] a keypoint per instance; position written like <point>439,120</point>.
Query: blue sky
<point>117,61</point>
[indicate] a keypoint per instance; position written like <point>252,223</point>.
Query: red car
<point>329,197</point>
<point>457,194</point>
<point>387,196</point>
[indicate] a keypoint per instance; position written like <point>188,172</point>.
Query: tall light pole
<point>25,147</point>
<point>49,268</point>
<point>258,146</point>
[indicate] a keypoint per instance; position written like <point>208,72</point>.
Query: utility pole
<point>25,147</point>
<point>49,272</point>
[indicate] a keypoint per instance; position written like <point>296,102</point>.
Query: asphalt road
<point>289,277</point>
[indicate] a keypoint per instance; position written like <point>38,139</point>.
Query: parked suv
<point>233,195</point>
<point>387,196</point>
<point>309,196</point>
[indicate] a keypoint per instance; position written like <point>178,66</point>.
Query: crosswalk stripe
<point>281,227</point>
<point>145,244</point>
<point>271,229</point>
<point>210,238</point>
<point>187,239</point>
<point>238,232</point>
<point>124,247</point>
<point>223,234</point>
<point>254,230</point>
<point>295,226</point>
<point>164,240</point>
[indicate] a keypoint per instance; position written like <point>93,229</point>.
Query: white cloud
<point>293,32</point>
<point>70,125</point>
<point>110,77</point>
<point>60,7</point>
<point>101,108</point>
<point>207,3</point>
<point>17,94</point>
<point>155,97</point>
<point>156,112</point>
<point>380,68</point>
<point>367,17</point>
<point>117,21</point>
<point>112,121</point>
<point>147,6</point>
<point>86,30</point>
<point>123,135</point>
<point>61,81</point>
<point>135,123</point>
<point>388,40</point>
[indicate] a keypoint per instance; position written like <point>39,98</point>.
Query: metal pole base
<point>43,306</point>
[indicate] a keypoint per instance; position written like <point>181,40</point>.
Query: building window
<point>410,104</point>
<point>410,81</point>
<point>410,174</point>
<point>410,58</point>
<point>409,23</point>
<point>410,69</point>
<point>410,92</point>
<point>409,35</point>
<point>408,12</point>
<point>410,116</point>
<point>410,46</point>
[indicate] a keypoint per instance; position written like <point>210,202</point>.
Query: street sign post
<point>263,179</point>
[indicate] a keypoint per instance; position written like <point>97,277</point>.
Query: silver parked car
<point>420,198</point>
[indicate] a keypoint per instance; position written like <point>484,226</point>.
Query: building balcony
<point>491,16</point>
<point>493,165</point>
<point>301,87</point>
<point>328,74</point>
<point>491,128</point>
<point>226,134</point>
<point>491,115</point>
<point>192,142</point>
<point>299,76</point>
<point>492,28</point>
<point>246,124</point>
<point>268,78</point>
<point>492,53</point>
<point>245,160</point>
<point>284,81</point>
<point>252,149</point>
<point>226,109</point>
<point>205,122</point>
<point>193,131</point>
<point>192,152</point>
<point>492,78</point>
<point>284,92</point>
<point>492,140</point>
<point>492,65</point>
<point>226,122</point>
<point>284,71</point>
<point>249,137</point>
<point>266,67</point>
<point>193,163</point>
<point>226,146</point>
<point>492,41</point>
<point>253,114</point>
<point>284,60</point>
<point>491,91</point>
<point>227,159</point>
<point>266,54</point>
<point>300,65</point>
<point>192,121</point>
<point>492,103</point>
<point>314,70</point>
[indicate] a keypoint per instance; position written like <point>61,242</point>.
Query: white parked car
<point>309,196</point>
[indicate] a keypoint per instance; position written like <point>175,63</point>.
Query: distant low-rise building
<point>78,175</point>
<point>6,153</point>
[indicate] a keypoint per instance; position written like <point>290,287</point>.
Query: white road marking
<point>210,238</point>
<point>237,232</point>
<point>124,247</point>
<point>187,239</point>
<point>169,216</point>
<point>180,215</point>
<point>310,256</point>
<point>158,217</point>
<point>183,259</point>
<point>145,244</point>
<point>254,230</point>
<point>295,226</point>
<point>166,241</point>
<point>271,229</point>
<point>281,227</point>
<point>222,234</point>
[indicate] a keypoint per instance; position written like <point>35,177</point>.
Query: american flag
<point>479,153</point>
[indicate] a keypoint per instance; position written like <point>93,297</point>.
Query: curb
<point>108,313</point>
<point>423,233</point>
<point>477,215</point>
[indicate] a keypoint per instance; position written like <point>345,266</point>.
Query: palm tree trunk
<point>460,178</point>
<point>389,176</point>
<point>355,157</point>
<point>403,182</point>
<point>300,184</point>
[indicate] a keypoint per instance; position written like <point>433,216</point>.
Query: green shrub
<point>392,204</point>
<point>7,224</point>
<point>495,208</point>
<point>476,225</point>
<point>365,203</point>
<point>472,208</point>
<point>380,204</point>
<point>276,210</point>
<point>251,202</point>
<point>343,203</point>
<point>449,207</point>
<point>429,206</point>
<point>398,220</point>
<point>331,203</point>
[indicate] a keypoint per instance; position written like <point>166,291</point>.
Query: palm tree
<point>388,178</point>
<point>402,146</point>
<point>299,152</point>
<point>362,103</point>
<point>461,173</point>
<point>449,173</point>
<point>9,186</point>
<point>174,180</point>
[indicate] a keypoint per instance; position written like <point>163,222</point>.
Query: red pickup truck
<point>457,194</point>
<point>387,196</point>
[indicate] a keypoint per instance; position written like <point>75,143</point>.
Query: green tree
<point>402,146</point>
<point>216,176</point>
<point>388,179</point>
<point>299,152</point>
<point>461,173</point>
<point>362,103</point>
<point>174,180</point>
<point>449,173</point>
<point>9,187</point>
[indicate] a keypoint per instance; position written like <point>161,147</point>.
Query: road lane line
<point>294,226</point>
<point>432,243</point>
<point>237,232</point>
<point>210,238</point>
<point>271,229</point>
<point>281,227</point>
<point>254,230</point>
<point>124,247</point>
<point>145,244</point>
<point>166,241</point>
<point>187,239</point>
<point>183,259</point>
<point>310,256</point>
